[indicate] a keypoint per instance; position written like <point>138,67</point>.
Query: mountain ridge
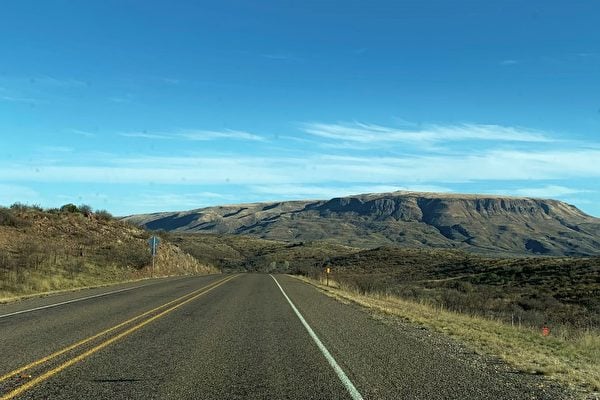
<point>481,223</point>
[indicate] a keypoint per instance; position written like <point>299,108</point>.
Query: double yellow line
<point>177,303</point>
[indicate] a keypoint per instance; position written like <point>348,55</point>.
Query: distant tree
<point>86,210</point>
<point>69,208</point>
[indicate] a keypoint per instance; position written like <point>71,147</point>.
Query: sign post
<point>327,271</point>
<point>153,242</point>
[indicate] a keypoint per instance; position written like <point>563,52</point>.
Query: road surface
<point>244,336</point>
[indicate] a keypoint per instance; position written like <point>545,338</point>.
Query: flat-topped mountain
<point>480,223</point>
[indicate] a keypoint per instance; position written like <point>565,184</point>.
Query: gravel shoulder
<point>389,358</point>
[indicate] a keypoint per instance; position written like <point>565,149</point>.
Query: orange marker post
<point>545,331</point>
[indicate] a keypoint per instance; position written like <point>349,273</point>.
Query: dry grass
<point>35,283</point>
<point>570,359</point>
<point>45,251</point>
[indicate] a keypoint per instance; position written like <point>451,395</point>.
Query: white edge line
<point>354,393</point>
<point>72,301</point>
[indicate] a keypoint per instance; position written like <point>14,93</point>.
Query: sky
<point>145,106</point>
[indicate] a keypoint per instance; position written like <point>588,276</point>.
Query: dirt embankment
<point>43,251</point>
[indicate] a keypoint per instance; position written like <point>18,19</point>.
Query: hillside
<point>43,251</point>
<point>483,224</point>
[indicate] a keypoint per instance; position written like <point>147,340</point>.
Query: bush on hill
<point>103,215</point>
<point>70,208</point>
<point>7,218</point>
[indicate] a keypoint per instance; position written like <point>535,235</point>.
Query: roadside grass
<point>572,359</point>
<point>22,283</point>
<point>45,251</point>
<point>47,277</point>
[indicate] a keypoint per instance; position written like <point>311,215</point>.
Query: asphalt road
<point>234,337</point>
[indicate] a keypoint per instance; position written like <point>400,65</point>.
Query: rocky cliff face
<point>488,224</point>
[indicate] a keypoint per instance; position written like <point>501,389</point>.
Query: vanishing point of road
<point>238,336</point>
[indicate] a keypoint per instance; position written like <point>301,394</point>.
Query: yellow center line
<point>104,332</point>
<point>102,345</point>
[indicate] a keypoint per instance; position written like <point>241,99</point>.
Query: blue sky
<point>140,106</point>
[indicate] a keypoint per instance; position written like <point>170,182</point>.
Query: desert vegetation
<point>572,359</point>
<point>498,305</point>
<point>561,292</point>
<point>75,246</point>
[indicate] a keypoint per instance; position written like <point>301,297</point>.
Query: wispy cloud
<point>377,134</point>
<point>171,201</point>
<point>197,135</point>
<point>290,191</point>
<point>549,191</point>
<point>13,99</point>
<point>10,194</point>
<point>224,134</point>
<point>57,82</point>
<point>121,100</point>
<point>83,133</point>
<point>509,62</point>
<point>145,135</point>
<point>589,55</point>
<point>280,56</point>
<point>171,81</point>
<point>320,169</point>
<point>56,149</point>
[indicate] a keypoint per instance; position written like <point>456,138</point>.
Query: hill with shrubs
<point>74,246</point>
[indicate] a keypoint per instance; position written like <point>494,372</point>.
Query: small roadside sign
<point>153,242</point>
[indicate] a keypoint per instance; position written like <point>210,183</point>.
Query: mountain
<point>478,223</point>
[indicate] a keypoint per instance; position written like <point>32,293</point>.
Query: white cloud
<point>318,169</point>
<point>121,100</point>
<point>171,81</point>
<point>13,99</point>
<point>509,62</point>
<point>165,201</point>
<point>10,194</point>
<point>196,135</point>
<point>59,82</point>
<point>295,191</point>
<point>549,191</point>
<point>203,135</point>
<point>83,133</point>
<point>376,134</point>
<point>280,56</point>
<point>56,149</point>
<point>144,135</point>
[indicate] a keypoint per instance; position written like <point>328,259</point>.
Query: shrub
<point>36,207</point>
<point>86,210</point>
<point>70,208</point>
<point>18,206</point>
<point>103,215</point>
<point>7,218</point>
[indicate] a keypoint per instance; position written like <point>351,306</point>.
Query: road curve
<point>245,336</point>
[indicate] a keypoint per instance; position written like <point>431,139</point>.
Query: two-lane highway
<point>245,336</point>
